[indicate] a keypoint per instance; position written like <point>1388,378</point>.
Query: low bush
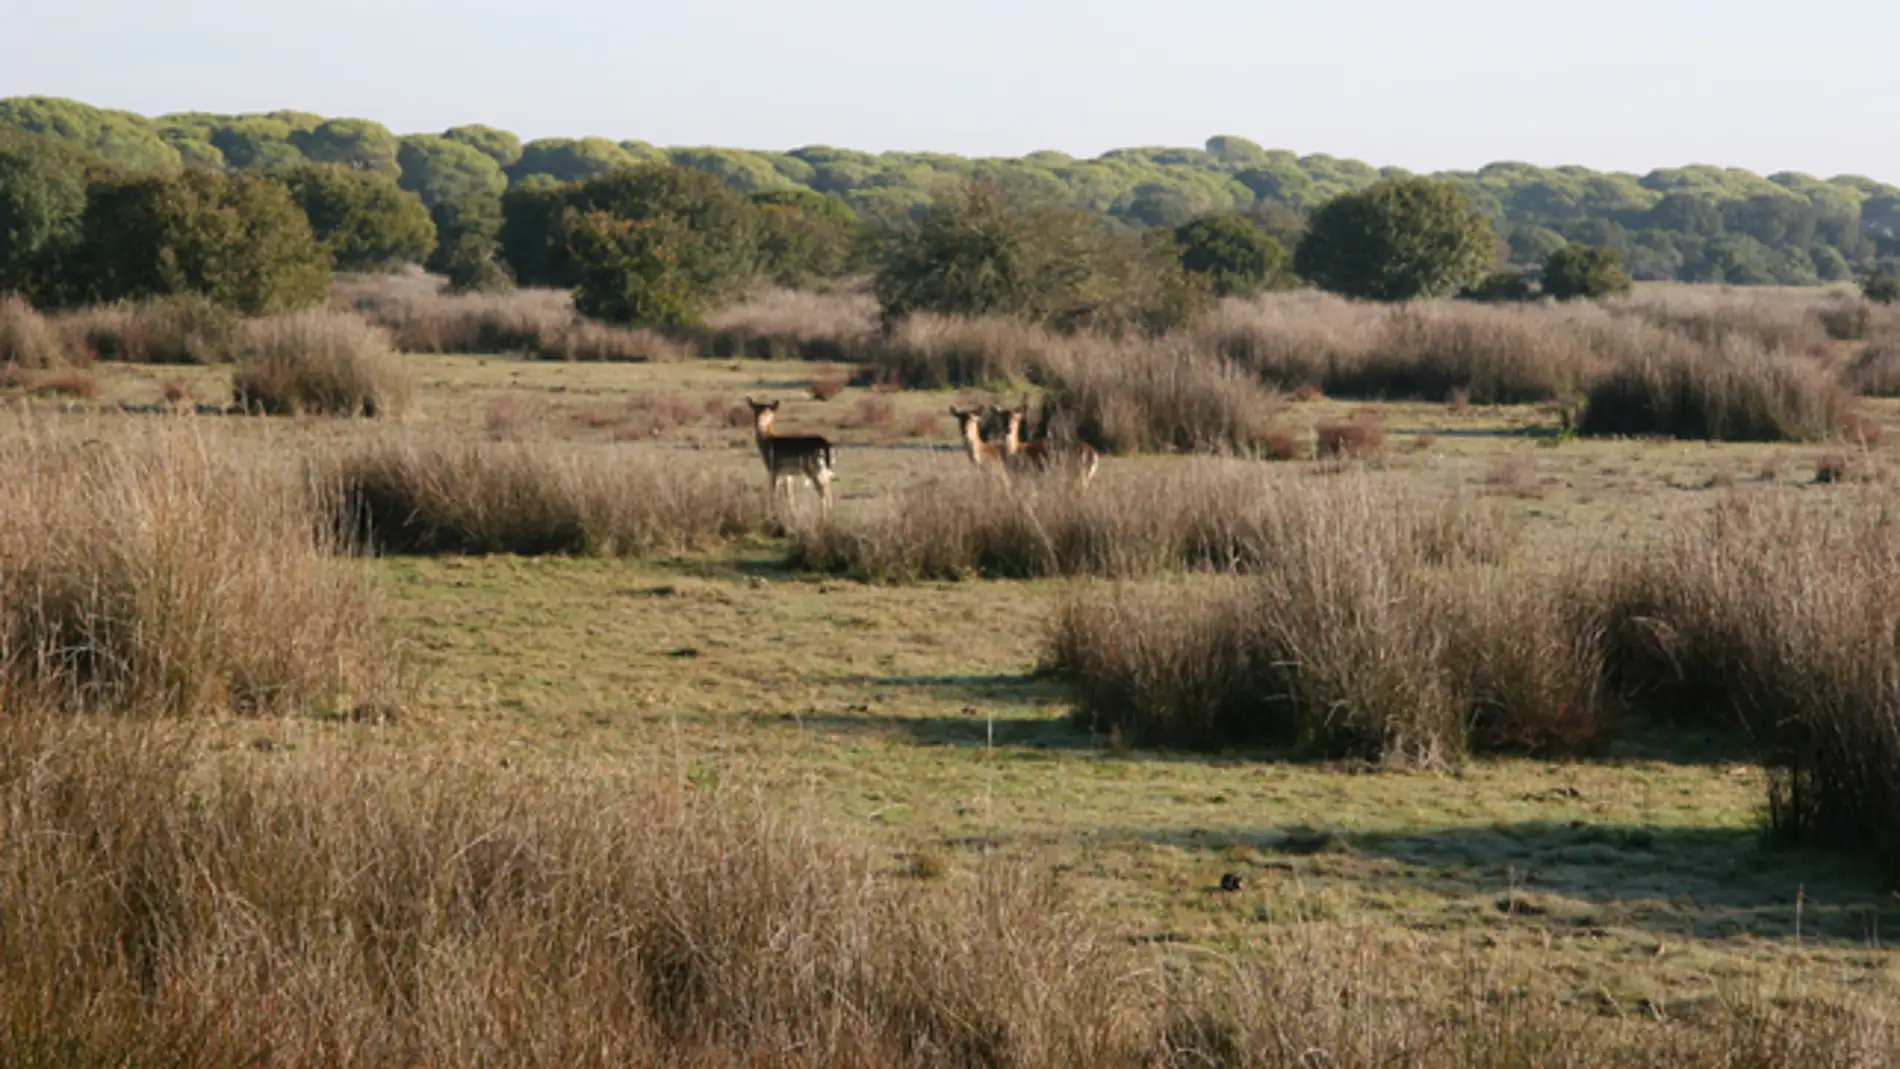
<point>165,569</point>
<point>320,362</point>
<point>1733,390</point>
<point>441,495</point>
<point>182,329</point>
<point>28,339</point>
<point>1157,396</point>
<point>930,352</point>
<point>1875,370</point>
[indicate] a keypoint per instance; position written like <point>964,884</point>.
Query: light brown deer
<point>1042,454</point>
<point>987,456</point>
<point>789,456</point>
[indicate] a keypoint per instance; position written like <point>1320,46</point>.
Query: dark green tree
<point>240,241</point>
<point>1588,271</point>
<point>438,169</point>
<point>120,138</point>
<point>568,160</point>
<point>1396,240</point>
<point>1237,259</point>
<point>468,247</point>
<point>633,271</point>
<point>365,219</point>
<point>42,198</point>
<point>357,144</point>
<point>530,237</point>
<point>498,145</point>
<point>805,235</point>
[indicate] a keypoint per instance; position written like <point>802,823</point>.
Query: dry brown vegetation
<point>185,329</point>
<point>158,569</point>
<point>319,362</point>
<point>27,339</point>
<point>1731,390</point>
<point>434,493</point>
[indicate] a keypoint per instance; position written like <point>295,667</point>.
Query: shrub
<point>365,220</point>
<point>1881,286</point>
<point>1397,240</point>
<point>1734,391</point>
<point>185,329</point>
<point>1347,639</point>
<point>930,352</point>
<point>241,241</point>
<point>773,323</point>
<point>1356,438</point>
<point>1238,259</point>
<point>27,339</point>
<point>805,236</point>
<point>437,495</point>
<point>1587,271</point>
<point>1499,287</point>
<point>154,569</point>
<point>1875,371</point>
<point>1773,617</point>
<point>319,362</point>
<point>981,251</point>
<point>468,248</point>
<point>1156,396</point>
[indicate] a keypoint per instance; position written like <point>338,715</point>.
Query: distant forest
<point>1696,223</point>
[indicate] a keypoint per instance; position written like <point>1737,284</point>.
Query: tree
<point>978,251</point>
<point>633,271</point>
<point>240,241</point>
<point>120,138</point>
<point>438,169</point>
<point>1588,271</point>
<point>1236,258</point>
<point>1533,244</point>
<point>467,247</point>
<point>568,160</point>
<point>357,144</point>
<point>498,145</point>
<point>805,235</point>
<point>1396,240</point>
<point>42,198</point>
<point>531,232</point>
<point>366,220</point>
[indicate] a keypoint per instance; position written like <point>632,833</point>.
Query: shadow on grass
<point>1711,884</point>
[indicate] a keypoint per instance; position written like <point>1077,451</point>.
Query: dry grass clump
<point>161,568</point>
<point>538,323</point>
<point>1777,617</point>
<point>1790,319</point>
<point>437,494</point>
<point>1875,370</point>
<point>1731,390</point>
<point>1156,396</point>
<point>322,362</point>
<point>28,339</point>
<point>1372,628</point>
<point>929,352</point>
<point>181,329</point>
<point>774,323</point>
<point>1206,515</point>
<point>341,904</point>
<point>306,909</point>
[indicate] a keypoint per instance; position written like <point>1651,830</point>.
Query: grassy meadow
<point>498,721</point>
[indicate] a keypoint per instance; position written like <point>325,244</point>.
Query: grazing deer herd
<point>791,457</point>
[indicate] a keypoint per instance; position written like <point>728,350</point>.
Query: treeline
<point>1696,223</point>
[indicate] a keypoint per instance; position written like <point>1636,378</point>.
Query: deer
<point>1042,454</point>
<point>789,456</point>
<point>987,456</point>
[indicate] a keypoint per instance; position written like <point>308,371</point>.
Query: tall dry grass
<point>435,493</point>
<point>532,322</point>
<point>1157,396</point>
<point>1204,514</point>
<point>348,905</point>
<point>1777,617</point>
<point>321,362</point>
<point>181,329</point>
<point>27,339</point>
<point>163,567</point>
<point>1369,625</point>
<point>1732,389</point>
<point>774,323</point>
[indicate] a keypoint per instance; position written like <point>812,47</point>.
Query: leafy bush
<point>1499,287</point>
<point>1236,257</point>
<point>1586,271</point>
<point>320,362</point>
<point>366,220</point>
<point>241,241</point>
<point>804,235</point>
<point>468,247</point>
<point>980,251</point>
<point>1735,391</point>
<point>1397,240</point>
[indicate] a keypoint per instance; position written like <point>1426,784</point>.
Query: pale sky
<point>1613,84</point>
